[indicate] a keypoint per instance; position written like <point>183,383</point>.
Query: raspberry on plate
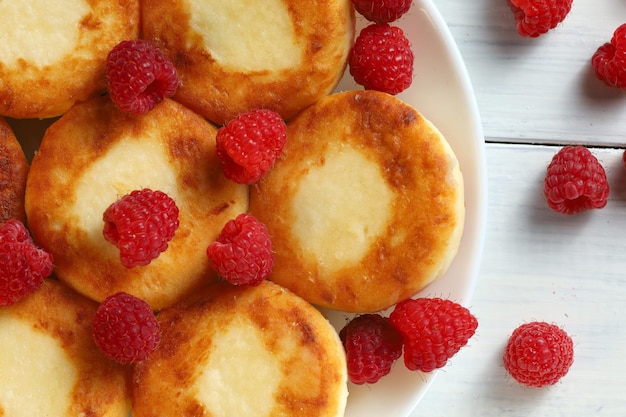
<point>536,17</point>
<point>433,330</point>
<point>249,145</point>
<point>139,76</point>
<point>609,61</point>
<point>381,59</point>
<point>382,11</point>
<point>575,181</point>
<point>125,328</point>
<point>141,224</point>
<point>242,253</point>
<point>23,266</point>
<point>372,345</point>
<point>538,354</point>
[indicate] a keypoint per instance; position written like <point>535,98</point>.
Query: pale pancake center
<point>33,363</point>
<point>40,32</point>
<point>241,376</point>
<point>247,36</point>
<point>340,208</point>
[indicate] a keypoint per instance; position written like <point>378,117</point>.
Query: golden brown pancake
<point>243,351</point>
<point>94,155</point>
<point>239,55</point>
<point>365,206</point>
<point>13,172</point>
<point>49,362</point>
<point>53,53</point>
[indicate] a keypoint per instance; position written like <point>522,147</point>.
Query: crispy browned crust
<point>13,172</point>
<point>325,26</point>
<point>30,91</point>
<point>418,167</point>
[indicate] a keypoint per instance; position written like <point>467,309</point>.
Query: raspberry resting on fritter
<point>536,17</point>
<point>139,76</point>
<point>249,145</point>
<point>575,181</point>
<point>23,266</point>
<point>382,11</point>
<point>538,354</point>
<point>140,225</point>
<point>372,346</point>
<point>609,61</point>
<point>125,328</point>
<point>381,59</point>
<point>433,330</point>
<point>242,253</point>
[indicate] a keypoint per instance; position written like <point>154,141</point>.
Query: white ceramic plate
<point>442,92</point>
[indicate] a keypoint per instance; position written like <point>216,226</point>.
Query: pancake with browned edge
<point>13,172</point>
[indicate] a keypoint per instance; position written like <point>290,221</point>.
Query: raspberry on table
<point>536,17</point>
<point>139,76</point>
<point>372,346</point>
<point>381,59</point>
<point>242,253</point>
<point>125,328</point>
<point>140,225</point>
<point>575,181</point>
<point>249,145</point>
<point>538,354</point>
<point>433,331</point>
<point>382,11</point>
<point>23,265</point>
<point>609,60</point>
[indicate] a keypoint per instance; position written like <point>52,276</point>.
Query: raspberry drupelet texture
<point>575,181</point>
<point>536,17</point>
<point>140,225</point>
<point>23,266</point>
<point>372,346</point>
<point>382,11</point>
<point>139,76</point>
<point>249,145</point>
<point>609,61</point>
<point>381,59</point>
<point>242,253</point>
<point>125,328</point>
<point>433,331</point>
<point>538,354</point>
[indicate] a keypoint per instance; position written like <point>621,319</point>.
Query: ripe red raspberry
<point>609,61</point>
<point>372,345</point>
<point>242,253</point>
<point>433,330</point>
<point>538,354</point>
<point>575,181</point>
<point>536,17</point>
<point>125,328</point>
<point>381,59</point>
<point>141,224</point>
<point>249,145</point>
<point>382,11</point>
<point>23,266</point>
<point>139,76</point>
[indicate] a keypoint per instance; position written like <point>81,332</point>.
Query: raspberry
<point>433,330</point>
<point>381,59</point>
<point>372,345</point>
<point>609,61</point>
<point>242,253</point>
<point>249,144</point>
<point>538,354</point>
<point>382,11</point>
<point>141,224</point>
<point>125,328</point>
<point>23,266</point>
<point>536,17</point>
<point>575,181</point>
<point>139,76</point>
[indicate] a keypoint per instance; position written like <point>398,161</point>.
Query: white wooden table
<point>534,96</point>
